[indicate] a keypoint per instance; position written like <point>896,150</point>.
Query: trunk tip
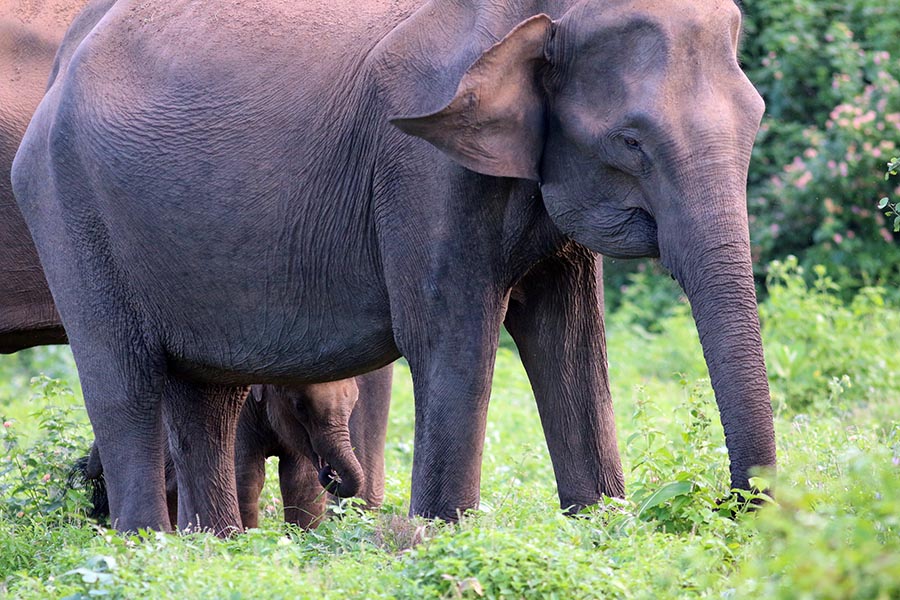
<point>334,484</point>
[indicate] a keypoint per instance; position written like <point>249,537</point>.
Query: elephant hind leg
<point>125,412</point>
<point>201,421</point>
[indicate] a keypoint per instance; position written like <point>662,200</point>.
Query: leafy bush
<point>34,476</point>
<point>680,481</point>
<point>833,96</point>
<point>838,543</point>
<point>821,350</point>
<point>885,203</point>
<point>17,370</point>
<point>644,296</point>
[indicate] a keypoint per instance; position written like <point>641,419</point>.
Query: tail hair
<point>88,473</point>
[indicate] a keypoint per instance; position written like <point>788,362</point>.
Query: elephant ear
<point>495,123</point>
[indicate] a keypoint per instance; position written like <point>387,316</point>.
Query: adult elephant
<point>30,34</point>
<point>394,177</point>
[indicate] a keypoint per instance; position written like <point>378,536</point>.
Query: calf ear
<point>495,123</point>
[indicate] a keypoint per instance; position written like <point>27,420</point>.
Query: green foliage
<point>672,481</point>
<point>833,533</point>
<point>33,476</point>
<point>645,296</point>
<point>833,96</point>
<point>890,208</point>
<point>16,370</point>
<point>815,342</point>
<point>496,563</point>
<point>833,546</point>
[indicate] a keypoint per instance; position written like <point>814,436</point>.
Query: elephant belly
<point>227,316</point>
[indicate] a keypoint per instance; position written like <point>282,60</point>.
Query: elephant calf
<point>309,429</point>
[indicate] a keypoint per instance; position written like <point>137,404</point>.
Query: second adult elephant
<point>302,192</point>
<point>29,36</point>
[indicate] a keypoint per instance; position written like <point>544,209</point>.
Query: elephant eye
<point>631,142</point>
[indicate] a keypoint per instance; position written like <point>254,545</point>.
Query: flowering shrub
<point>34,472</point>
<point>833,120</point>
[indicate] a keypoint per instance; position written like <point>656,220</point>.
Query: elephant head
<point>638,122</point>
<point>319,414</point>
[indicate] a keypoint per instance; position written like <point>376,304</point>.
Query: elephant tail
<point>87,472</point>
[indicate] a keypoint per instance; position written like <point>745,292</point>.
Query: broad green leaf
<point>666,492</point>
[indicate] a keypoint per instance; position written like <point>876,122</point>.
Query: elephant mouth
<point>631,233</point>
<point>605,224</point>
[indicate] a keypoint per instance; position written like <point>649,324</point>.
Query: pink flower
<point>886,235</point>
<point>46,478</point>
<point>7,424</point>
<point>796,165</point>
<point>838,238</point>
<point>803,180</point>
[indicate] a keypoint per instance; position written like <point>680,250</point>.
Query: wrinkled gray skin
<point>305,427</point>
<point>187,149</point>
<point>29,36</point>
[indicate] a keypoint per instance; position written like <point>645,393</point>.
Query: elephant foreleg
<point>452,384</point>
<point>201,423</point>
<point>555,316</point>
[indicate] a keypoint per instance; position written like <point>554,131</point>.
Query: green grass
<point>835,532</point>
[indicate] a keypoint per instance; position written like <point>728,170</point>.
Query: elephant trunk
<point>342,474</point>
<point>709,255</point>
